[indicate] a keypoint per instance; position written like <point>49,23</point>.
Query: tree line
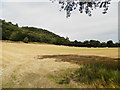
<point>94,43</point>
<point>31,34</point>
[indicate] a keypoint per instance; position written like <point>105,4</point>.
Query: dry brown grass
<point>78,59</point>
<point>21,68</point>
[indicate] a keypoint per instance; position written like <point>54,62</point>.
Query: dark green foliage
<point>15,33</point>
<point>17,36</point>
<point>0,30</point>
<point>26,40</point>
<point>94,43</point>
<point>83,6</point>
<point>110,43</point>
<point>8,29</point>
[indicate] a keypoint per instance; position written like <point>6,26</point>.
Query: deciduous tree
<point>83,6</point>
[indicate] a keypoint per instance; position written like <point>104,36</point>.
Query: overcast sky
<point>46,15</point>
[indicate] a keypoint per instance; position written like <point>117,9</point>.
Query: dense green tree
<point>94,43</point>
<point>110,43</point>
<point>103,44</point>
<point>0,30</point>
<point>26,40</point>
<point>17,36</point>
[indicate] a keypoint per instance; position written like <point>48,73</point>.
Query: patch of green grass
<point>13,77</point>
<point>96,71</point>
<point>93,75</point>
<point>62,78</point>
<point>8,85</point>
<point>98,75</point>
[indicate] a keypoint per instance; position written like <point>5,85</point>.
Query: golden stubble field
<point>21,68</point>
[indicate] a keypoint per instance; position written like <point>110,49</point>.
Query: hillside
<point>29,34</point>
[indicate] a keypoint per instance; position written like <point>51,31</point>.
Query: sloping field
<point>22,68</point>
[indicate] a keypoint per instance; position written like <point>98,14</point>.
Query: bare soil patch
<point>80,59</point>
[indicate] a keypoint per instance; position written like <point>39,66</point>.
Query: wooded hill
<point>31,34</point>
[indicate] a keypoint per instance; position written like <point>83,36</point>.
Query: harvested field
<point>26,65</point>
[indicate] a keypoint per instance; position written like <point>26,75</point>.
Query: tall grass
<point>96,71</point>
<point>98,75</point>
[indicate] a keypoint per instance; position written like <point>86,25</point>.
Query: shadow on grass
<point>78,59</point>
<point>96,71</point>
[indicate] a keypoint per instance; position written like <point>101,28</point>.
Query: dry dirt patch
<point>82,59</point>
